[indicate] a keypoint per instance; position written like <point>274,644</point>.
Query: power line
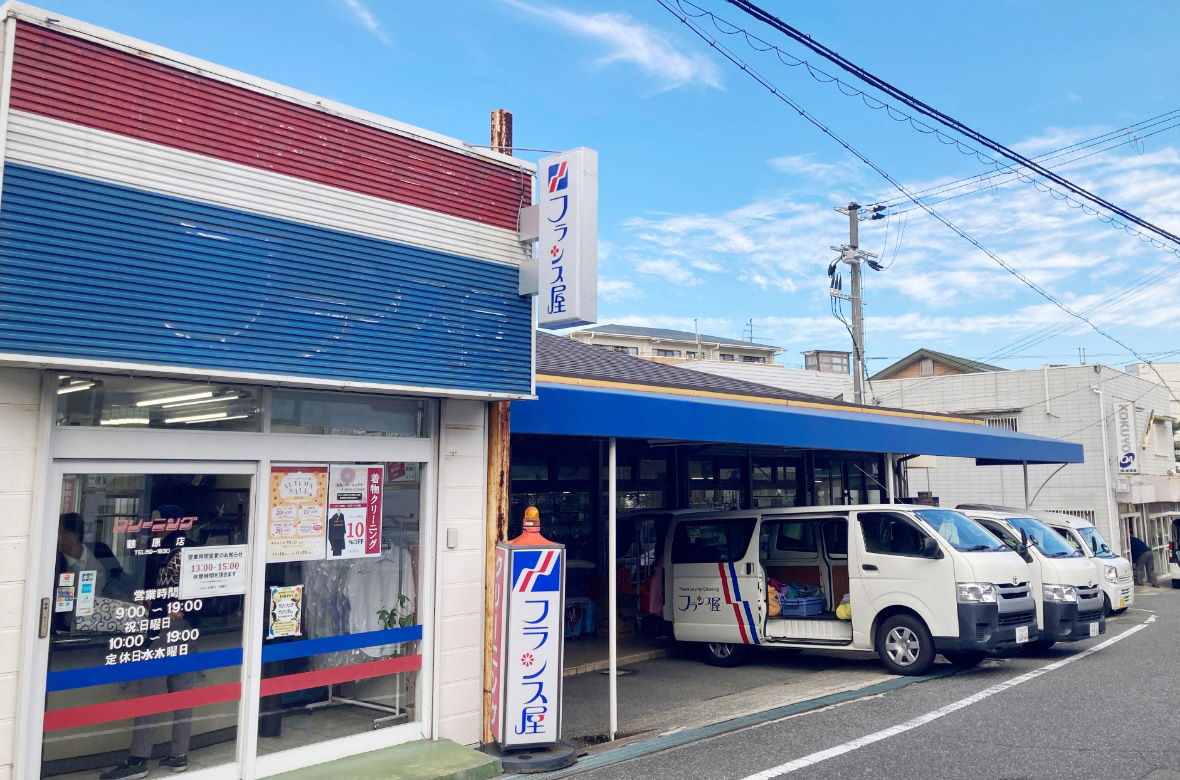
<point>811,119</point>
<point>761,45</point>
<point>946,120</point>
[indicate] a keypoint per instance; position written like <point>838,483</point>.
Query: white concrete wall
<point>818,383</point>
<point>1070,413</point>
<point>462,506</point>
<point>20,393</point>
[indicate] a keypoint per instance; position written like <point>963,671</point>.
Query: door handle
<point>44,622</point>
<point>749,569</point>
<point>868,567</point>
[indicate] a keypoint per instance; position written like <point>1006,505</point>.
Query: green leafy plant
<point>398,617</point>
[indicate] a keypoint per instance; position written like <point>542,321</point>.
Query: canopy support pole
<point>612,588</point>
<point>1024,465</point>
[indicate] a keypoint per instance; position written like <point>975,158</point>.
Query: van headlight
<point>1112,574</point>
<point>977,593</point>
<point>1060,593</point>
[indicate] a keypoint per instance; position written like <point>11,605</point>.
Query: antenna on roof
<point>749,331</point>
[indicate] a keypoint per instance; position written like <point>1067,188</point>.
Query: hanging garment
<point>375,584</point>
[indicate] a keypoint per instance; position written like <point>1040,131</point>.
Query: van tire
<point>725,654</point>
<point>965,660</point>
<point>1176,584</point>
<point>1106,606</point>
<point>905,646</point>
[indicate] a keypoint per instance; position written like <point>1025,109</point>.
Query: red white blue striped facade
<point>165,214</point>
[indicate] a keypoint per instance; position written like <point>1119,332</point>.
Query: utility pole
<point>853,256</point>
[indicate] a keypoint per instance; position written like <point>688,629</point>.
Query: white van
<point>1064,584</point>
<point>918,581</point>
<point>1114,572</point>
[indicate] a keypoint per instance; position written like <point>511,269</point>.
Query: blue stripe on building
<point>98,271</point>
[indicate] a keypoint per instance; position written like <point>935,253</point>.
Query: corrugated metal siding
<point>59,146</point>
<point>97,271</point>
<point>75,80</point>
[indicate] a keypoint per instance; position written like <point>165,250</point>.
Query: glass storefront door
<point>144,619</point>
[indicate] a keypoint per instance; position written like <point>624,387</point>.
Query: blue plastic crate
<point>803,607</point>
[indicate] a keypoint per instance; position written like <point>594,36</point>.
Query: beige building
<point>927,362</point>
<point>674,346</point>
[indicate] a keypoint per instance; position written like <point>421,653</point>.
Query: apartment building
<point>675,346</point>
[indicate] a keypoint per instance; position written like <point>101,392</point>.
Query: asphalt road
<point>1110,714</point>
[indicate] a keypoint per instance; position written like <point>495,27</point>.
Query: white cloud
<point>806,165</point>
<point>669,269</point>
<point>633,42</point>
<point>365,17</point>
<point>613,290</point>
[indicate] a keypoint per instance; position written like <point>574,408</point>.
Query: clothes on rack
<point>375,584</point>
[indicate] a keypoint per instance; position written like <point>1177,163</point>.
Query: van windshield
<point>1047,542</point>
<point>963,533</point>
<point>1097,544</point>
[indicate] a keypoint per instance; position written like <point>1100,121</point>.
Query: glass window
<point>530,469</point>
<point>763,472</point>
<point>726,358</point>
<point>653,469</point>
<point>890,534</point>
<point>712,542</point>
<point>700,469</point>
<point>333,414</point>
<point>1097,544</point>
<point>622,473</point>
<point>769,498</point>
<point>1069,537</point>
<point>1049,543</point>
<point>95,400</point>
<point>578,472</point>
<point>829,482</point>
<point>729,473</point>
<point>715,499</point>
<point>640,499</point>
<point>674,353</point>
<point>752,359</point>
<point>960,531</point>
<point>836,539</point>
<point>342,633</point>
<point>134,619</point>
<point>796,536</point>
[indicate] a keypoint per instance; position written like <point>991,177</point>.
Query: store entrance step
<point>421,760</point>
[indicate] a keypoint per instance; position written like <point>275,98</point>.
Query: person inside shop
<point>75,556</point>
<point>162,578</point>
<point>1144,562</point>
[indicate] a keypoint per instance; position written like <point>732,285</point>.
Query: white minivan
<point>1114,572</point>
<point>918,582</point>
<point>1064,584</point>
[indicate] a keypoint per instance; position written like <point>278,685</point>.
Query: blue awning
<point>571,410</point>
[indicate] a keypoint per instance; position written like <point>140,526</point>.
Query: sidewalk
<point>421,760</point>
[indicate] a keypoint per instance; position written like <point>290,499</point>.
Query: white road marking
<point>1151,619</point>
<point>922,720</point>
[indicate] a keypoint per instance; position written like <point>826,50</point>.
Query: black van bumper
<point>984,627</point>
<point>1064,623</point>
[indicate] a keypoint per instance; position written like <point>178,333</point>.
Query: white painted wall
<point>1071,413</point>
<point>818,383</point>
<point>20,392</point>
<point>461,506</point>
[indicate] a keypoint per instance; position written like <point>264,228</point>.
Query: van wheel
<point>1176,584</point>
<point>904,645</point>
<point>1106,606</point>
<point>725,654</point>
<point>965,660</point>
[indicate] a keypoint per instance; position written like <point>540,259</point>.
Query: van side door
<point>716,588</point>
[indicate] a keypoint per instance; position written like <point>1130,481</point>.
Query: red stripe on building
<point>340,674</point>
<point>90,714</point>
<point>74,80</point>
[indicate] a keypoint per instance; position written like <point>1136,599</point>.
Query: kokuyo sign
<point>1125,436</point>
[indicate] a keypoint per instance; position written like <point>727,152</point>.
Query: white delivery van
<point>1115,573</point>
<point>919,581</point>
<point>1064,583</point>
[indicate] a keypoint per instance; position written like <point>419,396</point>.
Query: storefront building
<point>688,440</point>
<point>248,341</point>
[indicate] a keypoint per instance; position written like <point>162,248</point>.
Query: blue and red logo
<point>536,571</point>
<point>559,177</point>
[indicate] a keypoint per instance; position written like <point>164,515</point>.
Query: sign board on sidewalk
<point>528,645</point>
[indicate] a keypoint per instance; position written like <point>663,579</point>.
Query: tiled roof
<point>560,356</point>
<point>676,335</point>
<point>963,364</point>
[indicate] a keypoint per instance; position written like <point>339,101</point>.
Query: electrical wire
<point>949,122</point>
<point>815,122</point>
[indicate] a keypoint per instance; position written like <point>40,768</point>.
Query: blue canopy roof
<point>572,410</point>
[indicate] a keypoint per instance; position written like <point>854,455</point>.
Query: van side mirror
<point>1023,542</point>
<point>929,548</point>
<point>1106,548</point>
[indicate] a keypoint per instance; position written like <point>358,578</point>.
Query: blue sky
<point>716,200</point>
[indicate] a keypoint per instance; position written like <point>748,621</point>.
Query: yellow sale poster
<point>297,523</point>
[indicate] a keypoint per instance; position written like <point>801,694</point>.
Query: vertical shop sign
<point>298,510</point>
<point>286,611</point>
<point>69,494</point>
<point>1125,435</point>
<point>354,511</point>
<point>531,658</point>
<point>567,239</point>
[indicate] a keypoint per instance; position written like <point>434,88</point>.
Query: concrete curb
<point>421,760</point>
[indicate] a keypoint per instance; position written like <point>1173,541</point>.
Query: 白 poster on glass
<point>296,527</point>
<point>354,511</point>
